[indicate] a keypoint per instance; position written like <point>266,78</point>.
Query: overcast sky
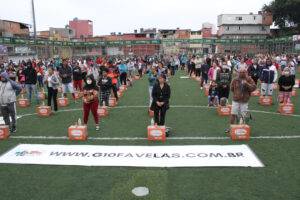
<point>126,15</point>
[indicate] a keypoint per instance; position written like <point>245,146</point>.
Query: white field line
<point>174,106</point>
<point>142,138</point>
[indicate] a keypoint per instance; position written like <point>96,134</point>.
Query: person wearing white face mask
<point>223,80</point>
<point>285,83</point>
<point>90,100</point>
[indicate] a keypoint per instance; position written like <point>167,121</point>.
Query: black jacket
<point>286,81</point>
<point>77,74</point>
<point>224,77</point>
<point>205,69</point>
<point>66,71</point>
<point>105,84</point>
<point>161,95</point>
<point>254,72</point>
<point>30,75</point>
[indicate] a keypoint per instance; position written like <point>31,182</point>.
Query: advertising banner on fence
<point>133,156</point>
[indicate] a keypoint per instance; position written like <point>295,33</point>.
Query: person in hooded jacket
<point>268,76</point>
<point>285,82</point>
<point>8,92</point>
<point>105,85</point>
<point>90,100</point>
<point>77,77</point>
<point>30,81</point>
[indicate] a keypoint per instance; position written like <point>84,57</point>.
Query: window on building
<point>263,28</point>
<point>239,18</point>
<point>254,18</point>
<point>239,28</point>
<point>23,26</point>
<point>227,28</point>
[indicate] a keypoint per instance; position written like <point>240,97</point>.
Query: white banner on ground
<point>133,156</point>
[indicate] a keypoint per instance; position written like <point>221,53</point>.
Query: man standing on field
<point>241,88</point>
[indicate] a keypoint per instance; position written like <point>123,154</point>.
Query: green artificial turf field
<point>278,180</point>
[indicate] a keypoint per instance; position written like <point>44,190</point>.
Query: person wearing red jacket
<point>99,61</point>
<point>90,100</point>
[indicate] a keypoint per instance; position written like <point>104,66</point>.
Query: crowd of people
<point>240,75</point>
<point>99,78</point>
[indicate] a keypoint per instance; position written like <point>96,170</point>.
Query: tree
<point>286,13</point>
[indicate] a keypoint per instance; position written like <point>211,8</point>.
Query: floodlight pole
<point>34,25</point>
<point>33,17</point>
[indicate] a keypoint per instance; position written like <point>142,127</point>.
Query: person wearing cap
<point>8,92</point>
<point>285,82</point>
<point>241,88</point>
<point>161,94</point>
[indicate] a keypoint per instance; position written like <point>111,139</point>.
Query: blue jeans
<point>40,81</point>
<point>31,88</point>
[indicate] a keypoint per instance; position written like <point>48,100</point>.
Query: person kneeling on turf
<point>161,94</point>
<point>90,100</point>
<point>241,87</point>
<point>8,92</point>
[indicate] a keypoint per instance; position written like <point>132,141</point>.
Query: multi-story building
<point>13,29</point>
<point>141,49</point>
<point>243,26</point>
<point>182,43</point>
<point>83,28</point>
<point>63,34</point>
<point>167,36</point>
<point>43,34</point>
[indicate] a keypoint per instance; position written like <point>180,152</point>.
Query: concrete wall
<point>61,33</point>
<point>240,19</point>
<point>244,29</point>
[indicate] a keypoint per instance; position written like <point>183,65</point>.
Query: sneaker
<point>227,131</point>
<point>13,130</point>
<point>97,128</point>
<point>167,134</point>
<point>168,129</point>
